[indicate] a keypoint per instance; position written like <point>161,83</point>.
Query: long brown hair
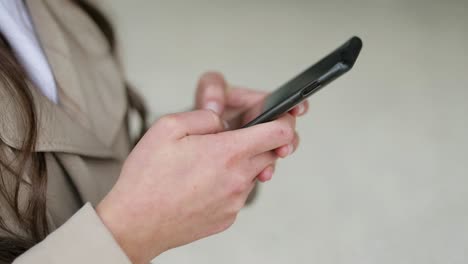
<point>31,218</point>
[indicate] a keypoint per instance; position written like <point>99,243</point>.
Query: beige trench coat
<point>84,137</point>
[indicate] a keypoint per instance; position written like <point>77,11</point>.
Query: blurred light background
<point>382,172</point>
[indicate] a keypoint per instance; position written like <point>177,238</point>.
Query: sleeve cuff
<point>82,239</point>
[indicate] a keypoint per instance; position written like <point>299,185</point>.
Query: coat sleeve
<point>82,239</point>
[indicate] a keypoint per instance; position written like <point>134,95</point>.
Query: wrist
<point>118,223</point>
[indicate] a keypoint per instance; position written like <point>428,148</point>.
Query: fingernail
<point>300,109</point>
<point>213,106</point>
<point>226,125</point>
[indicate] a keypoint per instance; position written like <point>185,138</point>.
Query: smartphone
<point>304,85</point>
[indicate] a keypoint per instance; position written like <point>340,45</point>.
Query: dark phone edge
<point>348,53</point>
<point>277,110</point>
<point>305,92</point>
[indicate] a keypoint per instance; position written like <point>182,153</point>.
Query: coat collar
<point>57,131</point>
<point>92,99</point>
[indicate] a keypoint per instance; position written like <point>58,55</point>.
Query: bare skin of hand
<point>214,93</point>
<point>188,177</point>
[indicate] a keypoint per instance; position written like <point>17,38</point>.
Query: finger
<point>243,98</point>
<point>263,160</point>
<point>199,122</point>
<point>285,150</point>
<point>288,149</point>
<point>211,92</point>
<point>266,174</point>
<point>239,100</point>
<point>300,109</point>
<point>263,137</point>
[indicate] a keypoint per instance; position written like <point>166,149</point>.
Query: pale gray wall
<point>382,172</point>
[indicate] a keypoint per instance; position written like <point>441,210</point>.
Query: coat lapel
<point>92,99</point>
<point>57,131</point>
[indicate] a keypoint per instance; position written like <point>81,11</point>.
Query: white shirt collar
<point>17,28</point>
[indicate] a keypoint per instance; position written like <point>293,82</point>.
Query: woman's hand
<point>186,179</point>
<point>215,94</point>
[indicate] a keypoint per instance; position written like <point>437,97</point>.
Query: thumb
<point>211,92</point>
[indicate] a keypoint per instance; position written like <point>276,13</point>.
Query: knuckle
<point>238,185</point>
<point>233,159</point>
<point>213,116</point>
<point>169,121</point>
<point>286,132</point>
<point>223,225</point>
<point>238,205</point>
<point>228,222</point>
